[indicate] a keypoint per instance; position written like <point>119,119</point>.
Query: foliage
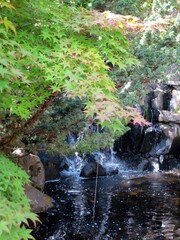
<point>95,142</point>
<point>14,205</point>
<point>52,47</point>
<point>131,7</point>
<point>156,50</point>
<point>87,142</point>
<point>71,48</point>
<point>63,115</point>
<point>62,119</point>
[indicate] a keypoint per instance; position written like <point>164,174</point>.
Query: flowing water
<point>131,205</point>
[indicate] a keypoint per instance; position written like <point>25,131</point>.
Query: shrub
<point>14,205</point>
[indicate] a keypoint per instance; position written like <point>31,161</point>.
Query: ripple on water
<point>133,207</point>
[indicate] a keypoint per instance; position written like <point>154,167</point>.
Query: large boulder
<point>32,164</point>
<point>39,201</point>
<point>91,168</point>
<point>35,169</point>
<point>53,165</point>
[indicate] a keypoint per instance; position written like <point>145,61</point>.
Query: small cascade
<point>110,160</point>
<point>75,163</point>
<point>71,139</point>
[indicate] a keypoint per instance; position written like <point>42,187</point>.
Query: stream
<point>130,205</point>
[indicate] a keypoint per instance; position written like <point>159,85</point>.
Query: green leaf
<point>4,85</point>
<point>4,227</point>
<point>9,25</point>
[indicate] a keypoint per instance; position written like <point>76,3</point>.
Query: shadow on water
<point>130,206</point>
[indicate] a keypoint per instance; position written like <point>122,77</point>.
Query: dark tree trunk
<point>24,125</point>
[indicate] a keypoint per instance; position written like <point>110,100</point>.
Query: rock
<point>162,109</point>
<point>137,133</point>
<point>145,165</point>
<point>176,172</point>
<point>173,75</point>
<point>35,169</point>
<point>45,157</point>
<point>151,164</point>
<point>51,171</point>
<point>53,165</point>
<point>152,137</point>
<point>39,201</point>
<point>90,170</point>
<point>169,117</point>
<point>175,146</point>
<point>112,171</point>
<point>157,103</point>
<point>175,100</point>
<point>170,130</point>
<point>172,133</point>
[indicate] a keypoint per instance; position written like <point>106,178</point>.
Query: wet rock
<point>152,137</point>
<point>112,171</point>
<point>145,166</point>
<point>175,146</point>
<point>45,157</point>
<point>53,165</point>
<point>51,171</point>
<point>137,134</point>
<point>151,164</point>
<point>124,144</point>
<point>161,108</point>
<point>171,162</point>
<point>176,171</point>
<point>90,170</point>
<point>39,201</point>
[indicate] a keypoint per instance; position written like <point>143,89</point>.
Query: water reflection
<point>129,206</point>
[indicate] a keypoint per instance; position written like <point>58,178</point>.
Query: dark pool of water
<point>129,206</point>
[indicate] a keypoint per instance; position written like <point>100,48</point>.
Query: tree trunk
<point>23,127</point>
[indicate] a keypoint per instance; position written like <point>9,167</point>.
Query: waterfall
<point>75,163</point>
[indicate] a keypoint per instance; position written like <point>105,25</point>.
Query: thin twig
<point>95,191</point>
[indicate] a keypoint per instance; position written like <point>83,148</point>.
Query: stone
<point>171,131</point>
<point>151,164</point>
<point>112,171</point>
<point>90,170</point>
<point>162,109</point>
<point>145,165</point>
<point>169,117</point>
<point>152,137</point>
<point>34,168</point>
<point>175,100</point>
<point>51,171</point>
<point>45,157</point>
<point>157,103</point>
<point>39,201</point>
<point>173,75</point>
<point>137,134</point>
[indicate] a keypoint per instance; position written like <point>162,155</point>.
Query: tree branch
<point>8,140</point>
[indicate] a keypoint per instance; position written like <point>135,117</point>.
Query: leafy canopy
<point>61,48</point>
